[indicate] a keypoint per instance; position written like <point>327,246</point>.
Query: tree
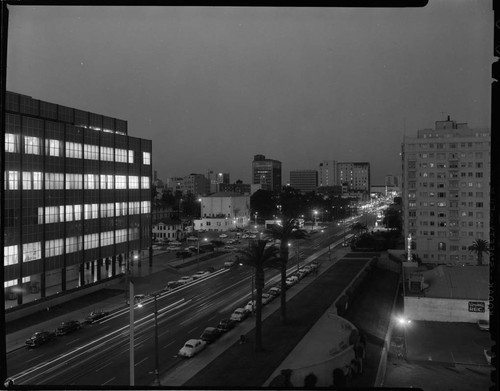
<point>286,231</point>
<point>479,247</point>
<point>263,202</point>
<point>217,243</point>
<point>359,227</point>
<point>258,255</point>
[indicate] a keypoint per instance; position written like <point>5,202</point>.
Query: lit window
<point>69,212</point>
<point>144,182</point>
<point>11,143</point>
<point>32,145</point>
<point>10,255</point>
<point>90,181</point>
<point>91,152</point>
<point>32,251</point>
<point>121,182</point>
<point>54,247</point>
<point>78,212</point>
<point>73,150</point>
<point>133,182</point>
<point>146,158</point>
<point>130,156</point>
<point>26,180</point>
<point>12,180</point>
<point>52,147</point>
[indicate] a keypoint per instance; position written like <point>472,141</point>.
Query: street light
<point>157,352</point>
<point>198,255</point>
<point>315,212</point>
<point>127,275</point>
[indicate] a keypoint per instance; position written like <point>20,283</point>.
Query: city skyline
<point>214,86</point>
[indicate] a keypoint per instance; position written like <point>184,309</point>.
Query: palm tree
<point>258,255</point>
<point>286,231</point>
<point>479,247</point>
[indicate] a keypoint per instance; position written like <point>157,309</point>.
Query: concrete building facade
<point>445,191</point>
<point>223,211</point>
<point>77,198</point>
<point>356,175</point>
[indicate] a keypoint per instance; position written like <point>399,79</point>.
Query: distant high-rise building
<point>390,180</point>
<point>445,191</point>
<point>77,198</point>
<point>328,173</point>
<point>266,172</point>
<point>356,176</point>
<point>304,180</point>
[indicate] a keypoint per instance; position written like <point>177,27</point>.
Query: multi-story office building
<point>328,173</point>
<point>446,202</point>
<point>77,198</point>
<point>267,173</point>
<point>304,180</point>
<point>196,184</point>
<point>355,175</point>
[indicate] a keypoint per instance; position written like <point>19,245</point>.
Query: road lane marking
<point>104,366</point>
<point>168,344</point>
<point>141,361</point>
<point>34,358</point>
<point>109,381</point>
<point>192,330</point>
<point>70,342</point>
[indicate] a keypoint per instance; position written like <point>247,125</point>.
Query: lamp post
<point>127,276</point>
<point>315,213</point>
<point>251,289</point>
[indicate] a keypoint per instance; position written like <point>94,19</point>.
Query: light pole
<point>127,276</point>
<point>315,213</point>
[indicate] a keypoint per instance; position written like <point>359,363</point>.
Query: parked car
<point>192,347</point>
<point>200,274</point>
<point>487,354</point>
<point>185,279</point>
<point>210,334</point>
<point>157,247</point>
<point>68,327</point>
<point>226,325</point>
<point>173,248</point>
<point>172,285</point>
<point>291,280</point>
<point>230,263</point>
<point>250,307</point>
<point>274,291</point>
<point>239,315</point>
<point>266,298</point>
<point>230,248</point>
<point>183,254</point>
<point>94,316</point>
<point>223,236</point>
<point>192,239</point>
<point>483,324</point>
<point>244,236</point>
<point>39,338</point>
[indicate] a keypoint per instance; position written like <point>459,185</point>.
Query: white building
<point>445,191</point>
<point>223,211</point>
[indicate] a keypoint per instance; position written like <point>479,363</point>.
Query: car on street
<point>274,291</point>
<point>222,236</point>
<point>200,274</point>
<point>266,298</point>
<point>250,307</point>
<point>157,247</point>
<point>94,316</point>
<point>172,285</point>
<point>192,347</point>
<point>185,279</point>
<point>291,280</point>
<point>68,327</point>
<point>192,239</point>
<point>245,236</point>
<point>226,325</point>
<point>483,324</point>
<point>173,248</point>
<point>210,334</point>
<point>239,315</point>
<point>39,338</point>
<point>229,263</point>
<point>230,248</point>
<point>139,298</point>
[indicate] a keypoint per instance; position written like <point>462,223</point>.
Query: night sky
<point>214,86</point>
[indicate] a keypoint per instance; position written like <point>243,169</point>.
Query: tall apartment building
<point>266,172</point>
<point>327,174</point>
<point>77,198</point>
<point>304,180</point>
<point>446,201</point>
<point>355,175</point>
